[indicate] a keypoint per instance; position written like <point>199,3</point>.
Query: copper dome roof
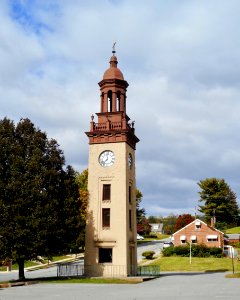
<point>113,72</point>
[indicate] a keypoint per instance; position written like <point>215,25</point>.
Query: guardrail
<point>79,270</point>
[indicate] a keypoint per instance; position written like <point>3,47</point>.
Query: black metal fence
<point>78,270</point>
<point>70,270</point>
<point>148,270</point>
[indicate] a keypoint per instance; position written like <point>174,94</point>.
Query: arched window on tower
<point>118,101</point>
<point>102,102</point>
<point>109,101</point>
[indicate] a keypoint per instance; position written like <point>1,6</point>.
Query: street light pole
<point>190,256</point>
<point>232,250</point>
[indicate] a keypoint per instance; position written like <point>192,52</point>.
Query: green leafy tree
<point>141,213</point>
<point>153,219</point>
<point>219,201</point>
<point>144,227</point>
<point>82,182</point>
<point>169,223</point>
<point>74,213</point>
<point>39,200</point>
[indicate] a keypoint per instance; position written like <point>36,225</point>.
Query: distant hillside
<point>233,230</point>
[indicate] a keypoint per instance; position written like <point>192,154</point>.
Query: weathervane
<point>113,48</point>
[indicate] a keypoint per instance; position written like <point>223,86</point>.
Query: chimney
<point>213,221</point>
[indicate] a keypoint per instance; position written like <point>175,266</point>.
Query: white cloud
<point>181,60</point>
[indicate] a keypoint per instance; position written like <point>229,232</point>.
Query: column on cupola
<point>114,101</point>
<point>105,102</point>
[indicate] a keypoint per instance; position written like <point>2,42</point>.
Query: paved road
<point>170,286</point>
<point>154,246</point>
<point>49,272</point>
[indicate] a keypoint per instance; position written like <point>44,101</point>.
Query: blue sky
<point>181,60</point>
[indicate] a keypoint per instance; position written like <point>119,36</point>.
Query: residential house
<point>156,227</point>
<point>198,232</point>
<point>233,238</point>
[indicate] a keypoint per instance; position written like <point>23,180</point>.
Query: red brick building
<point>198,232</point>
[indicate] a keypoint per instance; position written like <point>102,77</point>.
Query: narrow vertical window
<point>106,195</point>
<point>109,101</point>
<point>106,217</point>
<point>130,194</point>
<point>130,219</point>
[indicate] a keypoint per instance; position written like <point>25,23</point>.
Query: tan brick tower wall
<point>118,236</point>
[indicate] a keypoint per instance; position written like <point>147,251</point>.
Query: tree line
<point>43,202</point>
<point>216,200</point>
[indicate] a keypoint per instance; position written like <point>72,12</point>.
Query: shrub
<point>203,254</point>
<point>148,254</point>
<point>153,235</point>
<point>215,251</point>
<point>219,255</point>
<point>181,250</point>
<point>196,251</point>
<point>168,251</point>
<point>235,244</point>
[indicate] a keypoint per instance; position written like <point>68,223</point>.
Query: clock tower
<point>110,247</point>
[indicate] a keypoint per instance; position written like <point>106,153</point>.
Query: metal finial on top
<point>113,48</point>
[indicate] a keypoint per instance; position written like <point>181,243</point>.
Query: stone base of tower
<point>109,271</point>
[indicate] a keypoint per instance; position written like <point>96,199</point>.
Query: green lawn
<point>233,230</point>
<point>56,258</point>
<point>29,263</point>
<point>90,280</point>
<point>176,263</point>
<point>162,236</point>
<point>98,280</point>
<point>233,275</point>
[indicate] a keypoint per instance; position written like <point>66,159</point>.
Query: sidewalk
<point>50,264</point>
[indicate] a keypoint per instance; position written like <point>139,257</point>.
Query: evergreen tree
<point>219,201</point>
<point>39,200</point>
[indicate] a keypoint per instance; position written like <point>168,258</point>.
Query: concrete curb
<point>14,284</point>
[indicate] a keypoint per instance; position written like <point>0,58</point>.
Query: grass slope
<point>233,230</point>
<point>176,263</point>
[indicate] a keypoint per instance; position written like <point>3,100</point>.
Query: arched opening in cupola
<point>109,101</point>
<point>102,102</point>
<point>118,101</point>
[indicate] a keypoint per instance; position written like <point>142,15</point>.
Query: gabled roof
<point>198,220</point>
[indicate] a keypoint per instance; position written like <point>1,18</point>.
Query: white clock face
<point>130,160</point>
<point>106,158</point>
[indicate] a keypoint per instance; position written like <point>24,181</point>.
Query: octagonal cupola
<point>113,124</point>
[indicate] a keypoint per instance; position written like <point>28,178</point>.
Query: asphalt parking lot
<point>197,286</point>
